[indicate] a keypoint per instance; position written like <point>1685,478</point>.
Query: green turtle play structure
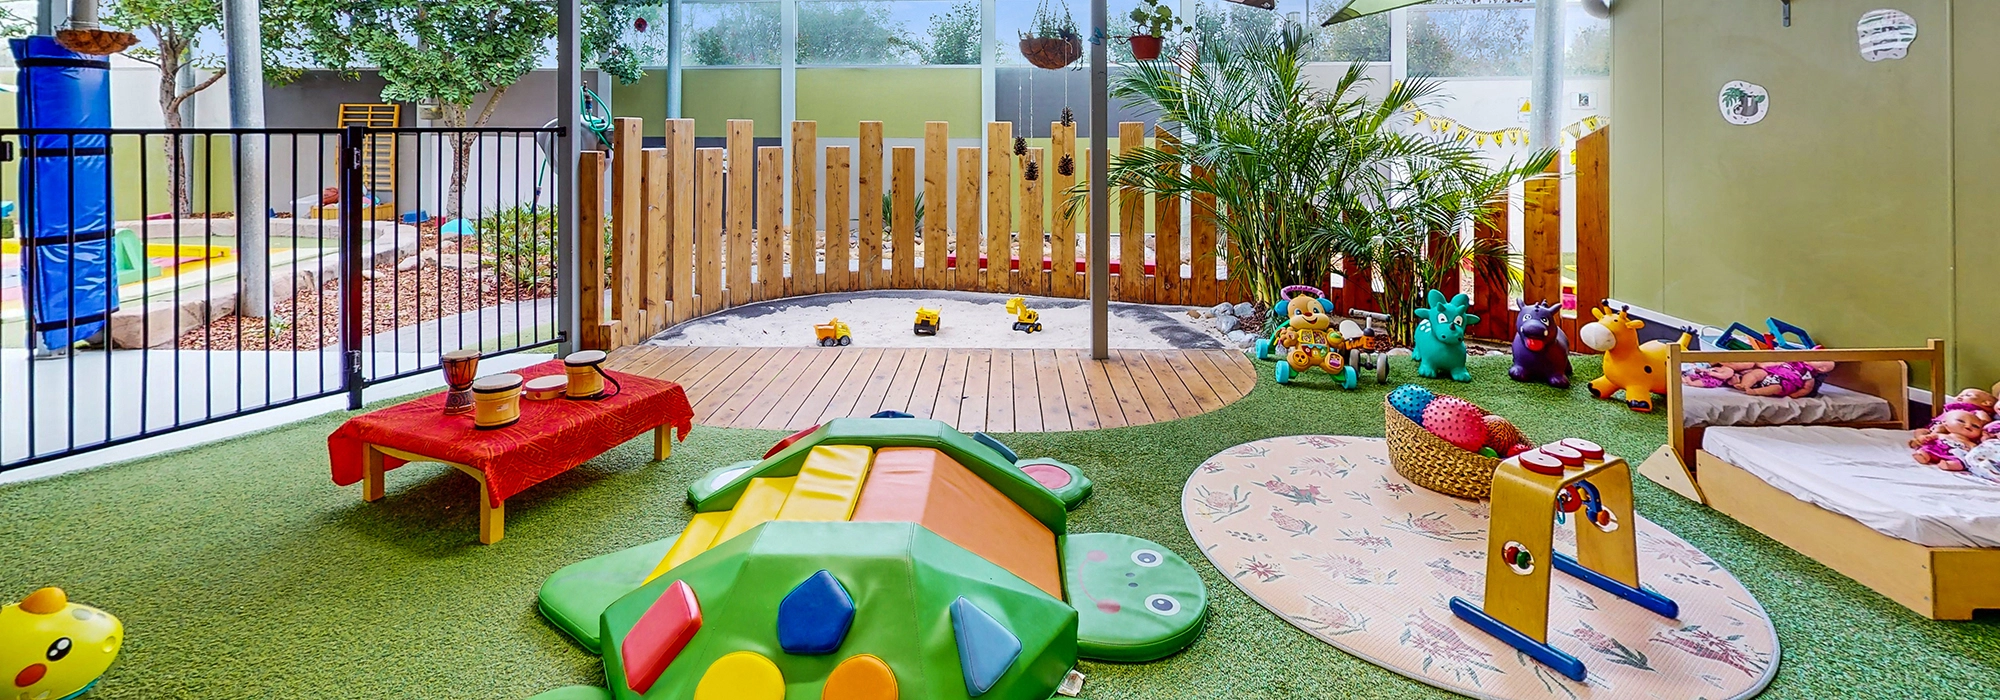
<point>875,559</point>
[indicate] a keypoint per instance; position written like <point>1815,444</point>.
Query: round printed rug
<point>1321,531</point>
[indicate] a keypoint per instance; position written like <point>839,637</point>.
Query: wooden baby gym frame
<point>1517,587</point>
<point>1940,583</point>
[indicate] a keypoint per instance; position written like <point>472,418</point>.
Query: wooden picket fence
<point>688,225</point>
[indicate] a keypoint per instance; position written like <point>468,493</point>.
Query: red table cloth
<point>552,437</point>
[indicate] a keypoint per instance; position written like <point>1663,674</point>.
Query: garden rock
<point>1241,338</point>
<point>1399,352</point>
<point>1223,309</point>
<point>1245,309</point>
<point>1227,323</point>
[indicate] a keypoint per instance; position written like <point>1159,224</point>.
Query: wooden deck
<point>992,390</point>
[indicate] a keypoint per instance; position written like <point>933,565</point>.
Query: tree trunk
<point>179,169</point>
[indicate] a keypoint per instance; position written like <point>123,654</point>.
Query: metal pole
<point>48,16</point>
<point>1100,175</point>
<point>1545,116</point>
<point>568,150</point>
<point>350,265</point>
<point>675,17</point>
<point>246,111</point>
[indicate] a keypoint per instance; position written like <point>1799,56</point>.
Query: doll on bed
<point>1795,380</point>
<point>1950,439</point>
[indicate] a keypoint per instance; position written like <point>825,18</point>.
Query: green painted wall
<point>902,98</point>
<point>646,99</point>
<point>1841,210</point>
<point>713,96</point>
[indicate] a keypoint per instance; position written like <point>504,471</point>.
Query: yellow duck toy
<point>52,649</point>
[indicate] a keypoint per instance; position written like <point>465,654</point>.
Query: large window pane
<point>1015,19</point>
<point>1353,41</point>
<point>1471,42</point>
<point>1589,46</point>
<point>732,34</point>
<point>887,32</point>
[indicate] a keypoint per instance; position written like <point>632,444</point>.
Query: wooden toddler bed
<point>1836,482</point>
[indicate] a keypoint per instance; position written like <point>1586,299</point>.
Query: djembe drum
<point>460,368</point>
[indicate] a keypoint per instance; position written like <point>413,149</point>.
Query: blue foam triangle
<point>815,616</point>
<point>985,649</point>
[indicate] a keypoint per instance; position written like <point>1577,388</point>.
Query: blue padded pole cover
<point>65,183</point>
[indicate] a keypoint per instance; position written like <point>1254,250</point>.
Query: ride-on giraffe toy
<point>1640,370</point>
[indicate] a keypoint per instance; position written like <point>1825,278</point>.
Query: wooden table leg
<point>492,519</point>
<point>372,475</point>
<point>663,442</point>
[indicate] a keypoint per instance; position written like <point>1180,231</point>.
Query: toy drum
<point>460,367</point>
<point>586,376</point>
<point>545,388</point>
<point>496,401</point>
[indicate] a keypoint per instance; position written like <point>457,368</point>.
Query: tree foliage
<point>176,27</point>
<point>955,36</point>
<point>853,33</point>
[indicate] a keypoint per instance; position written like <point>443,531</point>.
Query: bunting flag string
<point>1511,136</point>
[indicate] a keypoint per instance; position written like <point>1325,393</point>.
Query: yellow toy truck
<point>832,333</point>
<point>1026,320</point>
<point>927,321</point>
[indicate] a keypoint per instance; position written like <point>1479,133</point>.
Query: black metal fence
<point>141,296</point>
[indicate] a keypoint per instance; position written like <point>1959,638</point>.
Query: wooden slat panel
<point>1490,279</point>
<point>709,232</point>
<point>1541,237</point>
<point>777,413</point>
<point>1103,396</point>
<point>1203,251</point>
<point>742,199</point>
<point>705,377</point>
<point>930,375</point>
<point>1049,387</point>
<point>1062,234</point>
<point>1167,287</point>
<point>783,382</point>
<point>832,383</point>
<point>937,201</point>
<point>869,190</point>
<point>1171,382</point>
<point>1225,390</point>
<point>843,399</point>
<point>1077,400</point>
<point>972,407</point>
<point>654,240</point>
<point>770,222</point>
<point>871,394</point>
<point>1235,367</point>
<point>1357,286</point>
<point>804,258</point>
<point>1027,392</point>
<point>839,246</point>
<point>965,274</point>
<point>951,386</point>
<point>903,217</point>
<point>1131,284</point>
<point>999,204</point>
<point>1593,220</point>
<point>681,231</point>
<point>1150,389</point>
<point>628,198</point>
<point>730,380</point>
<point>758,383</point>
<point>1124,395</point>
<point>903,382</point>
<point>1000,390</point>
<point>590,254</point>
<point>1032,279</point>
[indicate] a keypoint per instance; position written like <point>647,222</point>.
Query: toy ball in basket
<point>1445,443</point>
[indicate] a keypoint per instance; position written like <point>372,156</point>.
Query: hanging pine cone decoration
<point>1020,145</point>
<point>1067,166</point>
<point>1033,172</point>
<point>1069,117</point>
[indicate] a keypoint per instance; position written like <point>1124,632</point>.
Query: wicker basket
<point>1428,461</point>
<point>1052,52</point>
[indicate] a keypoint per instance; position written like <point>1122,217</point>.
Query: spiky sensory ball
<point>1411,400</point>
<point>1501,434</point>
<point>1457,421</point>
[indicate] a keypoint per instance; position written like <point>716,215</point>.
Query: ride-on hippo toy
<point>1541,349</point>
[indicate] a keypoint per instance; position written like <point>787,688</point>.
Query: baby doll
<point>1705,375</point>
<point>1795,380</point>
<point>1975,400</point>
<point>1950,437</point>
<point>1984,459</point>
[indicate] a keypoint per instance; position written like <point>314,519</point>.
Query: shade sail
<point>1364,8</point>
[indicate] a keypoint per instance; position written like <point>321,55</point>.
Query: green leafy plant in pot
<point>1053,42</point>
<point>1151,22</point>
<point>1303,174</point>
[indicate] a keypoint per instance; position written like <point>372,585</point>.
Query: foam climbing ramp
<point>575,596</point>
<point>828,483</point>
<point>928,487</point>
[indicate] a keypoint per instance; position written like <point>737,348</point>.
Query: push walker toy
<point>1571,479</point>
<point>1306,338</point>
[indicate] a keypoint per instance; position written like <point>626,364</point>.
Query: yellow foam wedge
<point>760,504</point>
<point>741,675</point>
<point>829,483</point>
<point>696,538</point>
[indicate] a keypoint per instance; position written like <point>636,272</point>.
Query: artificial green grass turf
<point>241,571</point>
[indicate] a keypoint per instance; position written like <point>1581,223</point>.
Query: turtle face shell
<point>1135,600</point>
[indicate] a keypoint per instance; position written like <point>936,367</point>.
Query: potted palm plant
<point>1053,41</point>
<point>1301,175</point>
<point>1151,21</point>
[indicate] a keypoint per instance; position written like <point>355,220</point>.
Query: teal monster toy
<point>875,559</point>
<point>1440,337</point>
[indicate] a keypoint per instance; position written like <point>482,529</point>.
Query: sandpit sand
<point>883,319</point>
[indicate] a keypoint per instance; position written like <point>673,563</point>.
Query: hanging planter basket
<point>1145,47</point>
<point>1053,53</point>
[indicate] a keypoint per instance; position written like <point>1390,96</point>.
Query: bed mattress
<point>1706,407</point>
<point>1867,475</point>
